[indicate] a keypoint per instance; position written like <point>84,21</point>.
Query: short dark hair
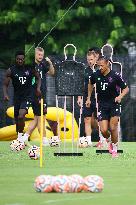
<point>19,53</point>
<point>96,50</point>
<point>103,58</point>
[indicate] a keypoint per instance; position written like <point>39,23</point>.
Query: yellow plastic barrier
<point>9,132</point>
<point>53,114</point>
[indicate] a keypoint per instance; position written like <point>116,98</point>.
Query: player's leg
<point>88,130</point>
<point>88,113</point>
<point>95,125</point>
<point>114,134</point>
<point>115,114</point>
<point>33,124</point>
<point>45,139</point>
<point>104,117</point>
<point>17,105</point>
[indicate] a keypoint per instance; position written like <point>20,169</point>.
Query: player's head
<point>91,58</point>
<point>96,50</point>
<point>103,64</point>
<point>39,54</point>
<point>107,50</point>
<point>20,58</point>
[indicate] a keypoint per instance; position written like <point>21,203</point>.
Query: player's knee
<point>87,120</point>
<point>113,128</point>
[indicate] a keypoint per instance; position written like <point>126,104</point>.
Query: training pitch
<point>18,172</point>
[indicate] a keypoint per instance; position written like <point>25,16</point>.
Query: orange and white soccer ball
<point>93,183</point>
<point>44,183</point>
<point>34,152</point>
<point>77,183</point>
<point>62,184</point>
<point>83,142</point>
<point>16,145</point>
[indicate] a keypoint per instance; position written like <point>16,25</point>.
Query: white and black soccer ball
<point>34,152</point>
<point>83,142</point>
<point>54,141</point>
<point>16,145</point>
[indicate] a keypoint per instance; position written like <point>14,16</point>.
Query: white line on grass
<point>77,198</point>
<point>67,199</point>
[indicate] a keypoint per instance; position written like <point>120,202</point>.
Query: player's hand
<point>38,92</point>
<point>6,98</point>
<point>118,99</point>
<point>88,102</point>
<point>47,59</point>
<point>80,101</point>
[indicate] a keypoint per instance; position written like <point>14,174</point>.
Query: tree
<point>89,23</point>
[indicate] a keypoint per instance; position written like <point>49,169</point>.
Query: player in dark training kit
<point>88,111</point>
<point>21,76</point>
<point>108,84</point>
<point>43,66</point>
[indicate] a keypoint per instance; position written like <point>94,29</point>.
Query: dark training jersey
<point>22,80</point>
<point>42,68</point>
<point>87,75</point>
<point>107,87</point>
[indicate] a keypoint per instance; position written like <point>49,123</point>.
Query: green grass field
<point>18,172</point>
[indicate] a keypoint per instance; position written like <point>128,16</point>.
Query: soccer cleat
<point>114,154</point>
<point>45,142</point>
<point>110,147</point>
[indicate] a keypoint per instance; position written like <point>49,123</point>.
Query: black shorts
<point>108,110</point>
<point>88,111</point>
<point>21,104</point>
<point>36,106</point>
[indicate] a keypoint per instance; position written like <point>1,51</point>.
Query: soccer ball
<point>83,142</point>
<point>34,152</point>
<point>93,183</point>
<point>54,141</point>
<point>62,184</point>
<point>44,183</point>
<point>16,145</point>
<point>77,183</point>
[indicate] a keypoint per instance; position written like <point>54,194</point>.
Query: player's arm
<point>51,67</point>
<point>38,79</point>
<point>124,89</point>
<point>6,84</point>
<point>90,89</point>
<point>80,101</point>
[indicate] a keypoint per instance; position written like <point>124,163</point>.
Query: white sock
<point>25,137</point>
<point>101,137</point>
<point>20,136</point>
<point>109,139</point>
<point>114,147</point>
<point>89,139</point>
<point>45,139</point>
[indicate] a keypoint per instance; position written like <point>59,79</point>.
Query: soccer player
<point>21,76</point>
<point>43,66</point>
<point>108,84</point>
<point>88,112</point>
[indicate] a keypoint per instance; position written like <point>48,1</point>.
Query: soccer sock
<point>25,137</point>
<point>20,136</point>
<point>101,137</point>
<point>109,139</point>
<point>89,138</point>
<point>114,147</point>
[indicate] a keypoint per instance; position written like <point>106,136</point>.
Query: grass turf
<point>18,172</point>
